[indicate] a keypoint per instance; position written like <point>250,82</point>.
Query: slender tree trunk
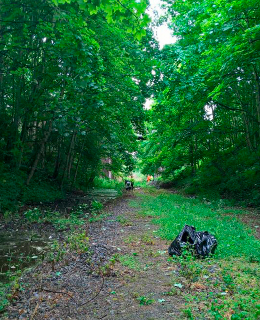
<point>71,155</point>
<point>65,173</point>
<point>248,140</point>
<point>256,76</point>
<point>58,162</point>
<point>246,123</point>
<point>1,69</point>
<point>77,166</point>
<point>39,153</point>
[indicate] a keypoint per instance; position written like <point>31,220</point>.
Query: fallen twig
<point>62,292</point>
<point>35,311</point>
<point>102,285</point>
<point>38,303</point>
<point>82,304</point>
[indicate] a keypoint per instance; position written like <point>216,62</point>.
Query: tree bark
<point>256,76</point>
<point>65,173</point>
<point>77,166</point>
<point>39,153</point>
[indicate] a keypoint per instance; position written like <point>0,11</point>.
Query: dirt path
<point>125,277</point>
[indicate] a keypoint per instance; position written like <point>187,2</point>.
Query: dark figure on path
<point>129,185</point>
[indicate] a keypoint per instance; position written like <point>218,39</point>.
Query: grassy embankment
<point>224,286</point>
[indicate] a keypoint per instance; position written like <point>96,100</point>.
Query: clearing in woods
<point>129,275</point>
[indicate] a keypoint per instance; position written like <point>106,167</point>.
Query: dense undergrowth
<point>105,183</point>
<point>233,177</point>
<point>14,192</point>
<point>224,286</point>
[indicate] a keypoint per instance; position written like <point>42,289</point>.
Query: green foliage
<point>98,217</point>
<point>61,223</point>
<point>3,297</point>
<point>11,185</point>
<point>41,191</point>
<point>173,211</point>
<point>105,183</point>
<point>205,118</point>
<point>130,261</point>
<point>130,12</point>
<point>225,285</point>
<point>57,219</point>
<point>15,192</point>
<point>78,242</point>
<point>33,215</point>
<point>123,220</point>
<point>96,206</point>
<point>72,86</point>
<point>144,301</point>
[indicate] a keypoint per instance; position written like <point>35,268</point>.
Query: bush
<point>41,191</point>
<point>11,185</point>
<point>14,191</point>
<point>231,176</point>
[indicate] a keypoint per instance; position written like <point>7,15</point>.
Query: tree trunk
<point>256,76</point>
<point>65,173</point>
<point>77,166</point>
<point>58,161</point>
<point>39,153</point>
<point>71,155</point>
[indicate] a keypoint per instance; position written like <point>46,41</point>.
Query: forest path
<point>139,275</point>
<point>126,277</point>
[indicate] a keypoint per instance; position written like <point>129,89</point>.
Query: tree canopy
<point>206,114</point>
<point>74,76</point>
<point>73,80</point>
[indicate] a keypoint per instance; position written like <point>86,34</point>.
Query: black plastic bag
<point>203,243</point>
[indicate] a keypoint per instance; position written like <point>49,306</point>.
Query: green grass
<point>224,286</point>
<point>173,211</point>
<point>105,183</point>
<point>130,261</point>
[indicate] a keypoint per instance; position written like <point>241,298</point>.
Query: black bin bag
<point>202,242</point>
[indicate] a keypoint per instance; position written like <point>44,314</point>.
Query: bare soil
<point>124,277</point>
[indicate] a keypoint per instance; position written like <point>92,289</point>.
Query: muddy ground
<point>124,277</point>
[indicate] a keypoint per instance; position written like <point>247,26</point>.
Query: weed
<point>190,268</point>
<point>98,217</point>
<point>78,242</point>
<point>131,239</point>
<point>144,301</point>
<point>147,239</point>
<point>107,269</point>
<point>68,223</point>
<point>96,206</point>
<point>172,292</point>
<point>130,261</point>
<point>3,296</point>
<point>187,313</point>
<point>33,215</point>
<point>123,220</point>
